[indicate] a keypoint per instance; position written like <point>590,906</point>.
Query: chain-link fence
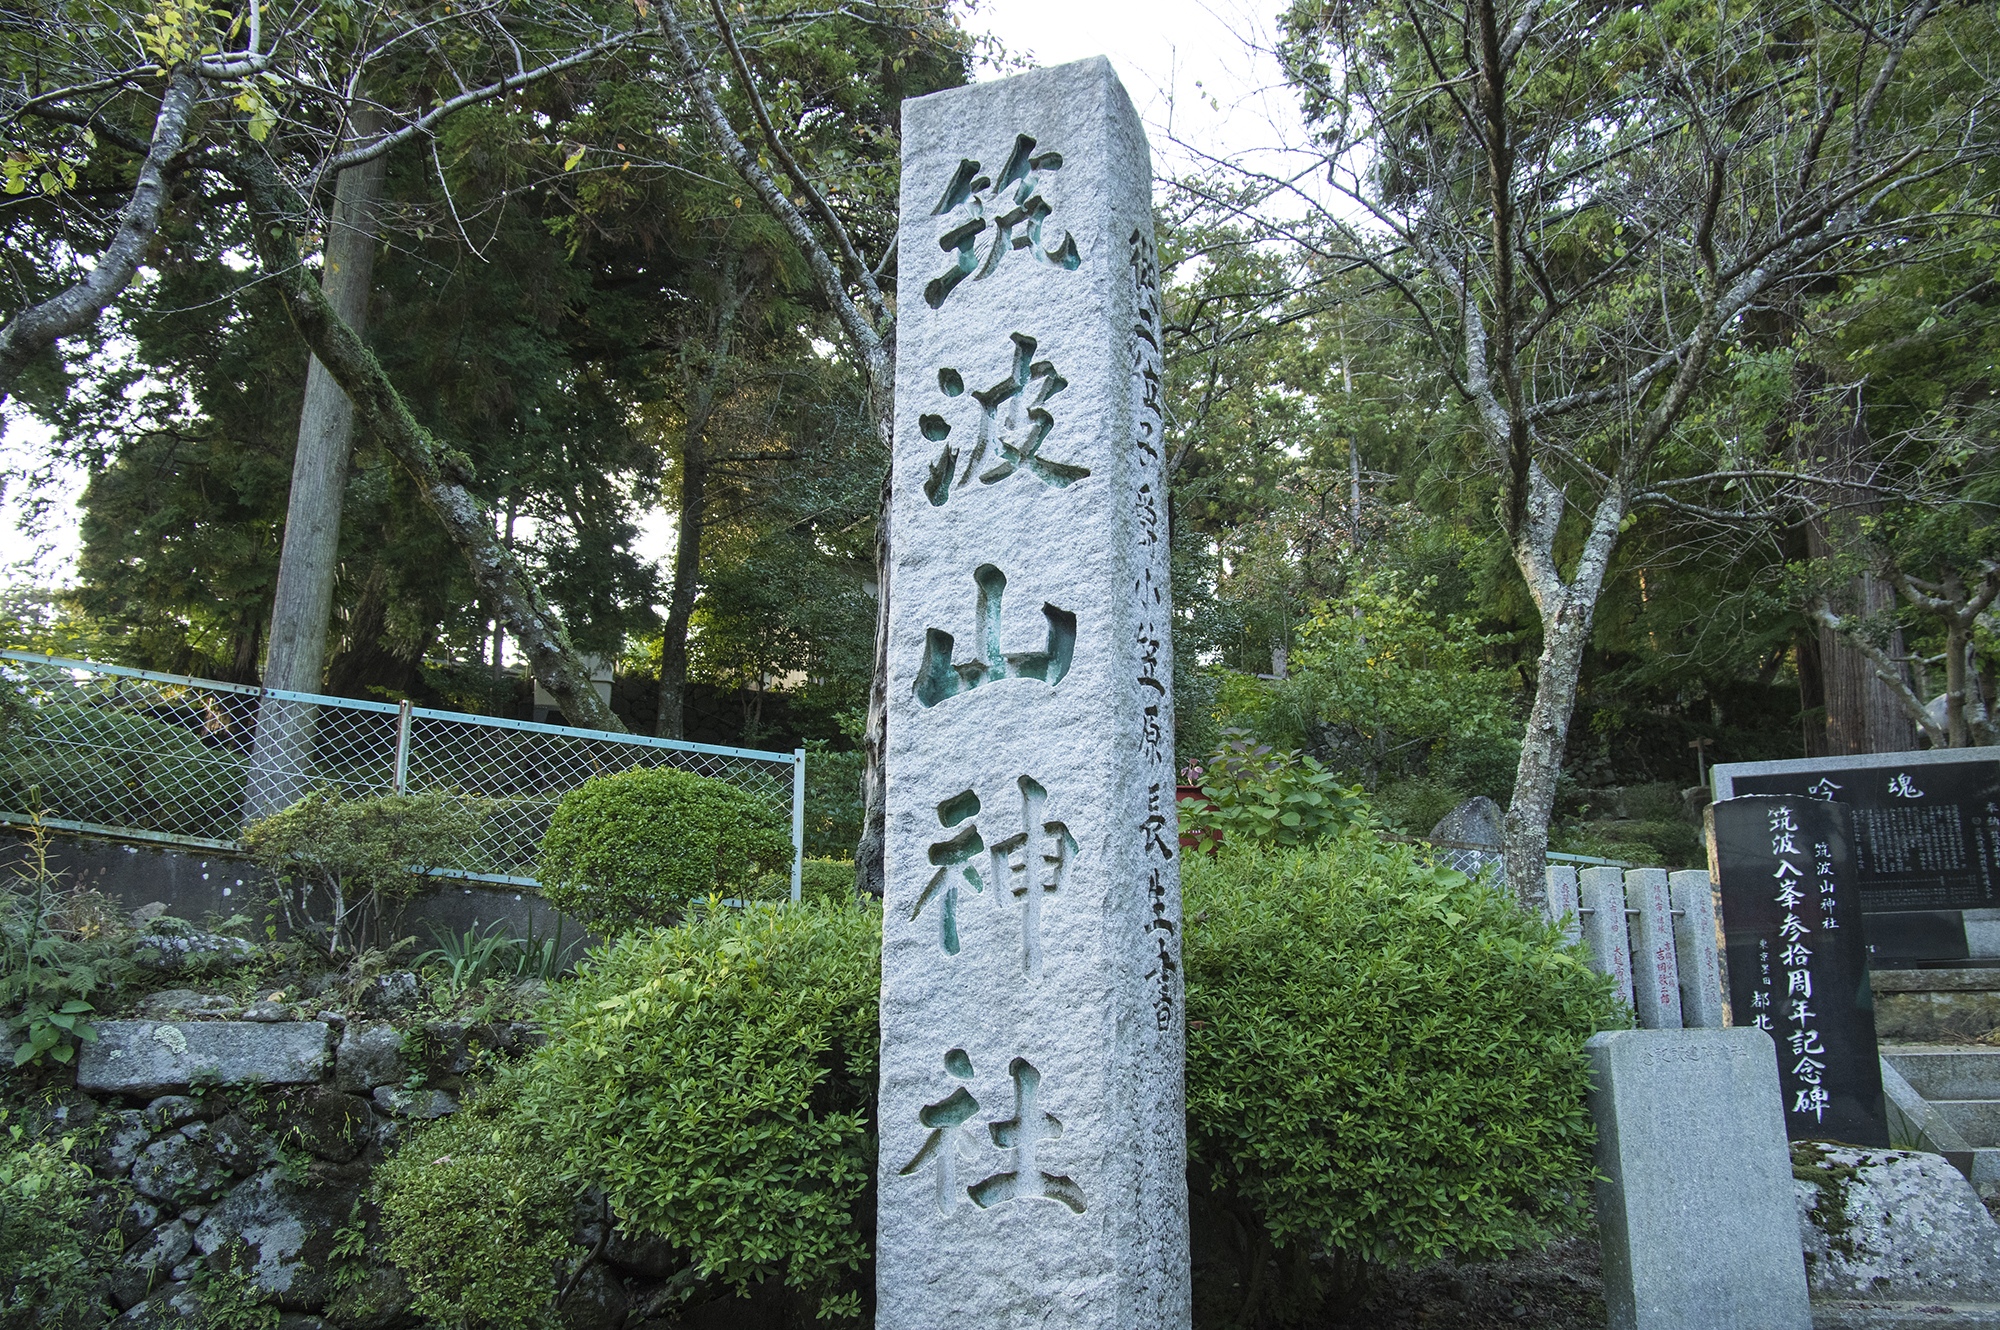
<point>160,757</point>
<point>1472,860</point>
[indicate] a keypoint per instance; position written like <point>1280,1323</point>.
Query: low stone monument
<point>1694,1202</point>
<point>1033,1152</point>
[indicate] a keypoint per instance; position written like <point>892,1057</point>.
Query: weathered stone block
<point>420,1104</point>
<point>125,1134</point>
<point>370,1054</point>
<point>1697,949</point>
<point>145,1268</point>
<point>1894,1224</point>
<point>379,1300</point>
<point>146,1057</point>
<point>182,1169</point>
<point>1694,1203</point>
<point>1656,978</point>
<point>280,1234</point>
<point>1601,894</point>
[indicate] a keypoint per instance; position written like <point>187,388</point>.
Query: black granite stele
<point>1926,835</point>
<point>1798,960</point>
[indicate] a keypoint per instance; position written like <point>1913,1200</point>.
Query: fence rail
<point>168,758</point>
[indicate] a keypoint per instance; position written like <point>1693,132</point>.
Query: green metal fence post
<point>403,748</point>
<point>798,823</point>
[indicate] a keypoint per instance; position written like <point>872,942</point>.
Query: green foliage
<point>1251,792</point>
<point>1393,678</point>
<point>55,951</point>
<point>632,848</point>
<point>1385,1059</point>
<point>828,881</point>
<point>717,1080</point>
<point>477,1220</point>
<point>53,1268</point>
<point>122,768</point>
<point>833,799</point>
<point>471,957</point>
<point>339,860</point>
<point>231,1299</point>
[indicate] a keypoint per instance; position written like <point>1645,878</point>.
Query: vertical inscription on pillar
<point>1032,1044</point>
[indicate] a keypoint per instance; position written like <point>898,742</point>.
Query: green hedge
<point>1385,1060</point>
<point>477,1219</point>
<point>717,1080</point>
<point>1384,1063</point>
<point>631,849</point>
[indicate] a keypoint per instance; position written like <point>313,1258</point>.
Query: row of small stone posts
<point>1694,1196</point>
<point>1654,933</point>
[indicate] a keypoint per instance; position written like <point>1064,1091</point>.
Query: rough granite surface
<point>1693,1198</point>
<point>1896,1225</point>
<point>1032,1127</point>
<point>145,1057</point>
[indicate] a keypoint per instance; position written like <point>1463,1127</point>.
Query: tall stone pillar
<point>1032,1106</point>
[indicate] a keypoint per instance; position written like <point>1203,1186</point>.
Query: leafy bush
<point>1255,793</point>
<point>54,1269</point>
<point>359,855</point>
<point>477,1220</point>
<point>717,1080</point>
<point>120,768</point>
<point>829,881</point>
<point>55,951</point>
<point>1385,1060</point>
<point>632,848</point>
<point>833,799</point>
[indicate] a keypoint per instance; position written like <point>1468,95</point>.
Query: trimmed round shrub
<point>717,1081</point>
<point>1385,1066</point>
<point>633,848</point>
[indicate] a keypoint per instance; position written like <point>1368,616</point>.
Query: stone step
<point>1904,1316</point>
<point>1942,1071</point>
<point>1977,1120</point>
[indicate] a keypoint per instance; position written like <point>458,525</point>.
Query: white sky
<point>1194,69</point>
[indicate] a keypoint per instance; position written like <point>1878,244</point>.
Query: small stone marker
<point>1695,948</point>
<point>1798,962</point>
<point>1694,1205</point>
<point>1656,976</point>
<point>1563,903</point>
<point>1033,1154</point>
<point>1602,893</point>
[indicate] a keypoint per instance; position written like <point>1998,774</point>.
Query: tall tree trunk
<point>702,388</point>
<point>1567,608</point>
<point>870,875</point>
<point>303,604</point>
<point>1863,714</point>
<point>440,475</point>
<point>1806,646</point>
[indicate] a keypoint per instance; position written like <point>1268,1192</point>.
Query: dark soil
<point>1558,1288</point>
